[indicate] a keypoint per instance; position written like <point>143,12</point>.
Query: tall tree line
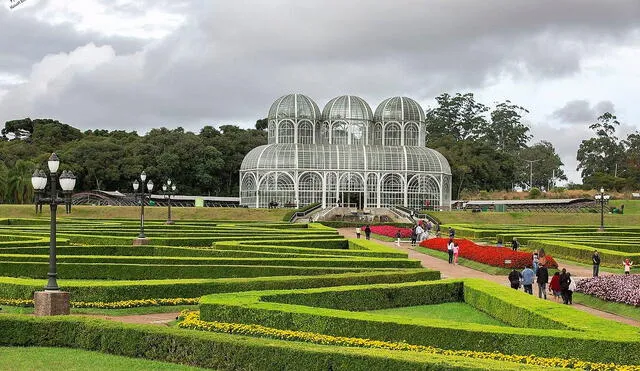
<point>206,163</point>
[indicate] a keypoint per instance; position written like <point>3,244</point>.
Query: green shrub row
<point>220,351</point>
<point>587,335</point>
<point>581,253</point>
<point>346,262</point>
<point>109,291</point>
<point>108,271</point>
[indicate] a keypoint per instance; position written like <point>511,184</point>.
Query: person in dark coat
<point>596,263</point>
<point>515,244</point>
<point>564,286</point>
<point>514,279</point>
<point>542,279</point>
<point>367,232</point>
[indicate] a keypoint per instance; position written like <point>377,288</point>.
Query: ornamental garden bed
<point>502,257</point>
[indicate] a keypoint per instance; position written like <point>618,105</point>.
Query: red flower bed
<point>390,231</point>
<point>490,255</point>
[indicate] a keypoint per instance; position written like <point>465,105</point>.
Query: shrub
<point>535,193</point>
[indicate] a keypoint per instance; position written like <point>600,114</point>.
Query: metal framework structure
<point>345,156</point>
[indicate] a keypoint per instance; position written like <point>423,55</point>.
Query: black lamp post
<point>602,198</point>
<point>169,189</point>
<point>142,196</point>
<point>67,183</point>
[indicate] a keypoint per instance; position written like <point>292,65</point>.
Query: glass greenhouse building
<point>345,155</point>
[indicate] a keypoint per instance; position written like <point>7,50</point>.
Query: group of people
<point>453,249</point>
<point>560,286</point>
<point>367,232</point>
<point>420,232</point>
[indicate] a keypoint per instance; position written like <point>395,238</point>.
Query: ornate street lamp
<point>52,301</point>
<point>602,198</point>
<point>169,189</point>
<point>141,240</point>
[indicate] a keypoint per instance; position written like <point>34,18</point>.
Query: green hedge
<point>581,253</point>
<point>108,291</point>
<point>591,338</point>
<point>145,272</point>
<point>220,351</point>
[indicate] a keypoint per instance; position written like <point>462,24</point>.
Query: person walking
<point>515,244</point>
<point>414,235</point>
<point>570,289</point>
<point>420,233</point>
<point>542,279</point>
<point>456,250</point>
<point>534,260</point>
<point>358,230</point>
<point>596,263</point>
<point>554,286</point>
<point>367,232</point>
<point>527,280</point>
<point>564,285</point>
<point>398,237</point>
<point>514,279</point>
<point>627,266</point>
<point>450,250</point>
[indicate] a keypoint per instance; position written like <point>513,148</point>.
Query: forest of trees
<point>488,149</point>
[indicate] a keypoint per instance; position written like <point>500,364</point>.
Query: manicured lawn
<point>620,309</point>
<point>531,218</point>
<point>459,312</point>
<point>62,359</point>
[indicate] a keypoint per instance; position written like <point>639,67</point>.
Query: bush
<point>617,288</point>
<point>535,193</point>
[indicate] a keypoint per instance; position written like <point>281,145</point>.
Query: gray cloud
<point>581,111</point>
<point>232,59</point>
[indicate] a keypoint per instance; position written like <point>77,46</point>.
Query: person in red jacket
<point>554,286</point>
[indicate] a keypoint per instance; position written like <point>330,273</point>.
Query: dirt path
<point>145,319</point>
<point>456,271</point>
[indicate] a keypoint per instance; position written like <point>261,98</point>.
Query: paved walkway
<point>149,319</point>
<point>456,271</point>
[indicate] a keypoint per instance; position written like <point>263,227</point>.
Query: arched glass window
<point>248,190</point>
<point>357,133</point>
<point>339,133</point>
<point>377,135</point>
<point>310,188</point>
<point>272,132</point>
<point>285,132</point>
<point>392,135</point>
<point>411,135</point>
<point>305,133</point>
<point>423,193</point>
<point>323,133</point>
<point>392,190</point>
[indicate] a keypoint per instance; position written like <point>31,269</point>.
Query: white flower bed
<point>618,288</point>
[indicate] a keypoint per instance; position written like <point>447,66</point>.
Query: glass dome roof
<point>399,109</point>
<point>345,158</point>
<point>294,106</point>
<point>347,107</point>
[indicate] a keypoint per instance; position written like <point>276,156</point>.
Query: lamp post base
<point>51,303</point>
<point>169,222</point>
<point>141,241</point>
<point>600,229</point>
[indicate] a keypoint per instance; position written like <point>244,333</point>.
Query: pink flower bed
<point>390,231</point>
<point>617,288</point>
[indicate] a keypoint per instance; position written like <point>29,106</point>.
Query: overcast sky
<point>140,64</point>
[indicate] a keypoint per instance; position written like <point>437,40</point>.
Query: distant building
<point>345,155</point>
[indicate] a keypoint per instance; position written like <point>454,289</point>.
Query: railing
<point>301,214</point>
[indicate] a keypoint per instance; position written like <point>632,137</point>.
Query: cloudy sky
<point>140,64</point>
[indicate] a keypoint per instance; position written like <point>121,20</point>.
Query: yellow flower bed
<point>110,305</point>
<point>191,320</point>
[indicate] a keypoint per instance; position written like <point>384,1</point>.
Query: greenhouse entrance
<point>353,199</point>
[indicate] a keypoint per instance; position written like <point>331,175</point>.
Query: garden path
<point>456,271</point>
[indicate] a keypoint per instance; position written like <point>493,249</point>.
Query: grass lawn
<point>63,359</point>
<point>531,218</point>
<point>151,213</point>
<point>108,312</point>
<point>620,309</point>
<point>460,312</point>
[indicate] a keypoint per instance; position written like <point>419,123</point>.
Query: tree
<point>19,181</point>
<point>4,182</point>
<point>547,166</point>
<point>459,117</point>
<point>18,129</point>
<point>262,124</point>
<point>506,130</point>
<point>601,153</point>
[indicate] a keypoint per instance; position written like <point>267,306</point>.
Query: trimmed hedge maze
<point>97,262</point>
<point>570,242</point>
<point>532,326</point>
